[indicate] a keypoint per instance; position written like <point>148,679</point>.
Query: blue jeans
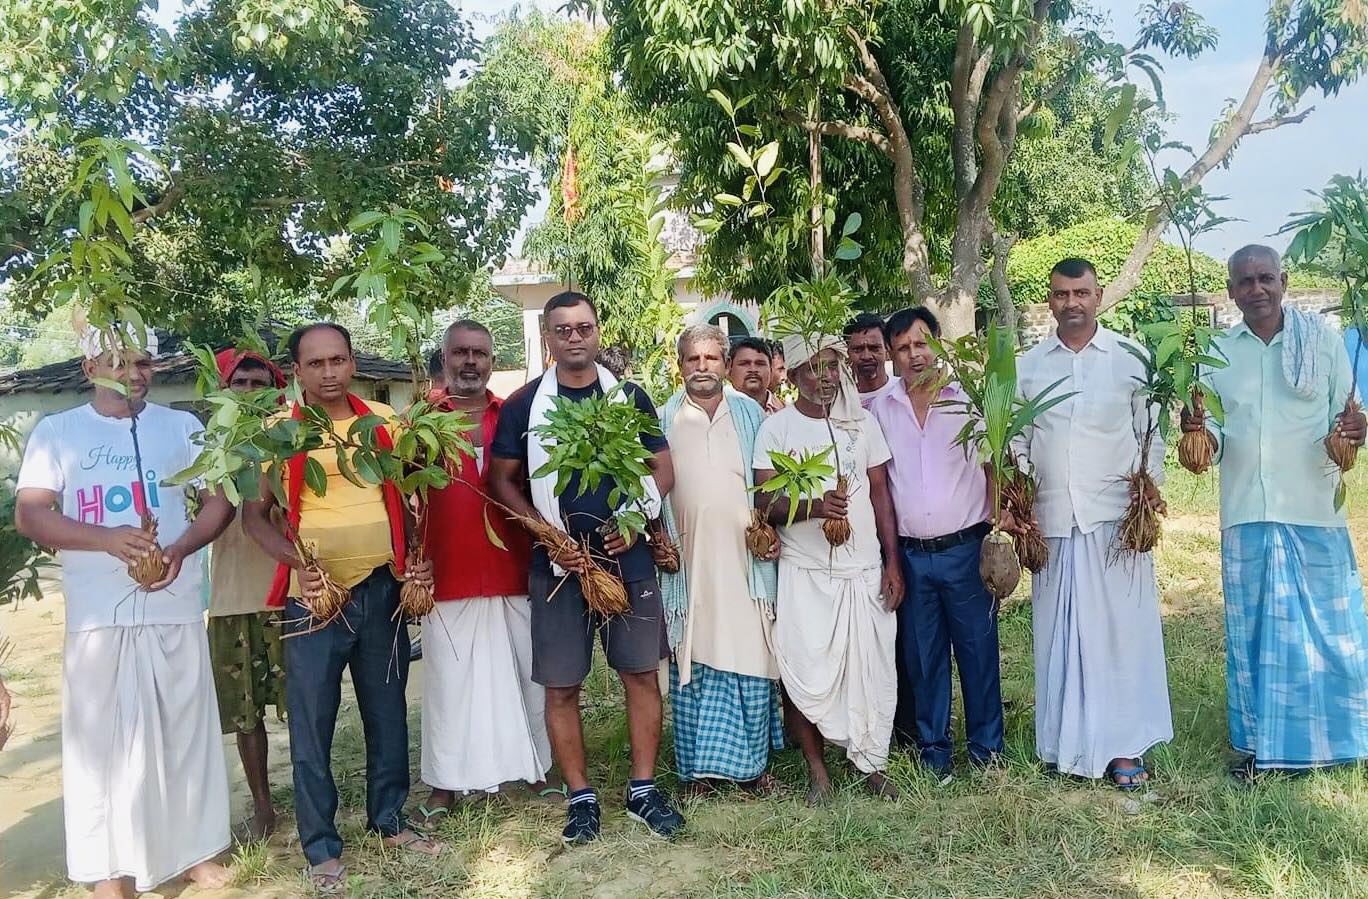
<point>946,607</point>
<point>375,647</point>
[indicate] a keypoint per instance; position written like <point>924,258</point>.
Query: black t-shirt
<point>582,514</point>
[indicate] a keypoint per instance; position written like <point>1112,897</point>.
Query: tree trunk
<point>1002,291</point>
<point>815,175</point>
<point>954,308</point>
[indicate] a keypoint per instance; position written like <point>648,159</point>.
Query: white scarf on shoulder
<point>539,448</point>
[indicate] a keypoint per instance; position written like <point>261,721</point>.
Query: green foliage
<point>22,562</point>
<point>610,244</point>
<point>1107,243</point>
<point>277,123</point>
<point>1173,353</point>
<point>1336,236</point>
<point>985,369</point>
<point>800,479</point>
<point>599,439</point>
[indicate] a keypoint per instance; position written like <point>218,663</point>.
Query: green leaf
<point>315,476</point>
<point>727,199</point>
<point>118,387</point>
<point>723,101</point>
<point>739,153</point>
<point>852,224</point>
<point>766,158</point>
<point>1119,114</point>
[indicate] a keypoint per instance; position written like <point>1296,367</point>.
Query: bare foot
<point>262,825</point>
<point>410,841</point>
<point>209,875</point>
<point>879,784</point>
<point>697,789</point>
<point>764,785</point>
<point>328,877</point>
<point>118,888</point>
<point>820,793</point>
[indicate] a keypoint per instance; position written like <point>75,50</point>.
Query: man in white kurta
<point>835,631</point>
<point>719,607</point>
<point>144,784</point>
<point>1101,686</point>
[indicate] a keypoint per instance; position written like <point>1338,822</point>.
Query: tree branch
<point>174,191</point>
<point>839,128</point>
<point>908,190</point>
<point>1279,121</point>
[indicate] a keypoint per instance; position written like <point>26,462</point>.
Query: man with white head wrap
<point>835,632</point>
<point>145,785</point>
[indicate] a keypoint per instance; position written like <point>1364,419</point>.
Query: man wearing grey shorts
<point>563,628</point>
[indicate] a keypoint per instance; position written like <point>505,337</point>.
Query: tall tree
<point>275,124</point>
<point>938,95</point>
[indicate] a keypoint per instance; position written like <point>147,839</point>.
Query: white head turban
<point>95,343</point>
<point>845,411</point>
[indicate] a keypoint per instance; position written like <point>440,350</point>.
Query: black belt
<point>947,541</point>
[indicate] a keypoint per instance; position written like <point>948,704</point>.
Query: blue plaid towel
<point>1296,645</point>
<point>725,724</point>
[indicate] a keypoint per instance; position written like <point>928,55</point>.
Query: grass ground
<point>1011,832</point>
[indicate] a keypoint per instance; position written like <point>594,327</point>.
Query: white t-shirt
<point>790,431</point>
<point>87,458</point>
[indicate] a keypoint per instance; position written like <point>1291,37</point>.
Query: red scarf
<point>394,504</point>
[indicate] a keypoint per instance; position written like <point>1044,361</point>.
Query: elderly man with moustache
<point>719,607</point>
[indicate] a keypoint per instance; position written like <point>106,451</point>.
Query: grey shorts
<point>563,631</point>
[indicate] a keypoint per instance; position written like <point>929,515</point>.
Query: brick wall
<point>1035,320</point>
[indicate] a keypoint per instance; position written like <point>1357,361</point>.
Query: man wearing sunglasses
<point>563,628</point>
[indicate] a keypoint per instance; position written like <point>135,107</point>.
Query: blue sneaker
<point>652,810</point>
<point>581,824</point>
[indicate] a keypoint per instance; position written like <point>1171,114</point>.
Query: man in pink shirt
<point>940,495</point>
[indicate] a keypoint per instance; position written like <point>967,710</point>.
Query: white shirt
<point>1082,449</point>
<point>790,431</point>
<point>87,458</point>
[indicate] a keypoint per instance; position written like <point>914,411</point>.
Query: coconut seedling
<point>1335,239</point>
<point>996,416</point>
<point>597,440</point>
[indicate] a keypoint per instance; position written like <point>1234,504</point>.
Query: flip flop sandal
<point>560,793</point>
<point>1132,771</point>
<point>328,884</point>
<point>407,845</point>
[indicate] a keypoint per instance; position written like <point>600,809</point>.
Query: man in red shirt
<point>484,719</point>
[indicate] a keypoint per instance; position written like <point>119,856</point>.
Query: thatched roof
<point>172,366</point>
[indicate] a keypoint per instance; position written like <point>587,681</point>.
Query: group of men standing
<point>839,644</point>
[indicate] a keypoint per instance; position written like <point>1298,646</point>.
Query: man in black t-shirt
<point>563,627</point>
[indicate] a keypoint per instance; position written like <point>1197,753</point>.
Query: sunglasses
<point>584,329</point>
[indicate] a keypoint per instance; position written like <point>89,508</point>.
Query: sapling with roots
<point>996,417</point>
<point>1341,227</point>
<point>598,440</point>
<point>248,442</point>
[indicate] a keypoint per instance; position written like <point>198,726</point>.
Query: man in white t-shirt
<point>145,788</point>
<point>835,632</point>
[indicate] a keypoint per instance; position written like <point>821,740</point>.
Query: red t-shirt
<point>465,563</point>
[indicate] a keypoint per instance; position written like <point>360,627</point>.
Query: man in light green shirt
<point>1296,631</point>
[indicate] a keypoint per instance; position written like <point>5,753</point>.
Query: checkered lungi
<point>1296,645</point>
<point>725,724</point>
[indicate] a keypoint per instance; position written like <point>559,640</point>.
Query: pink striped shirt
<point>938,487</point>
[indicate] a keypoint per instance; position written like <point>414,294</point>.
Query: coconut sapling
<point>1335,239</point>
<point>998,416</point>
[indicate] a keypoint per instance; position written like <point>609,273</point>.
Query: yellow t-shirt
<point>347,528</point>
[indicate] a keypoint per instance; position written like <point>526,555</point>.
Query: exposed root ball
<point>603,593</point>
<point>1032,550</point>
<point>838,530</point>
<point>415,599</point>
<point>998,564</point>
<point>761,537</point>
<point>1140,525</point>
<point>1195,451</point>
<point>151,568</point>
<point>1196,448</point>
<point>1341,451</point>
<point>663,550</point>
<point>324,608</point>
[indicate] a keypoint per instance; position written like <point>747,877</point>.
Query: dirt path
<point>32,847</point>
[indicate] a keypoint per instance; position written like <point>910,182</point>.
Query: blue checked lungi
<point>1296,645</point>
<point>725,724</point>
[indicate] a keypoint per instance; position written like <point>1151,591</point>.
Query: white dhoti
<point>1101,681</point>
<point>484,719</point>
<point>145,787</point>
<point>835,644</point>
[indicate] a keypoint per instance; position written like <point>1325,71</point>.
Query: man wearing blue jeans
<point>941,496</point>
<point>358,535</point>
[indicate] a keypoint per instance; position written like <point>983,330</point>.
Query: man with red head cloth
<point>244,636</point>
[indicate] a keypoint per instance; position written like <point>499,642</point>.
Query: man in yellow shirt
<point>357,534</point>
